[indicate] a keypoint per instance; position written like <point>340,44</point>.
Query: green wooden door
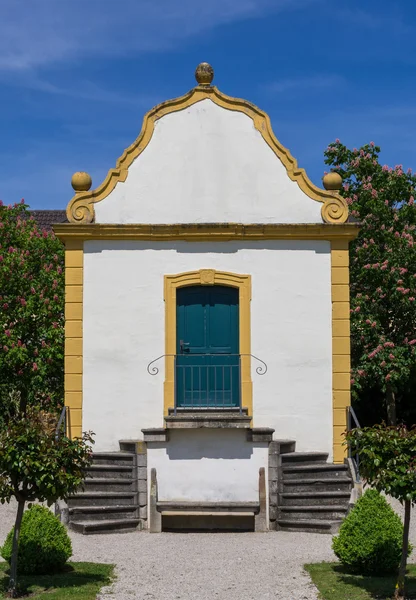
<point>207,347</point>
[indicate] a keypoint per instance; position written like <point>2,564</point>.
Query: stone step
<point>99,513</point>
<point>107,484</point>
<point>310,525</point>
<point>209,507</point>
<point>110,471</point>
<point>101,499</point>
<point>304,458</point>
<point>208,411</point>
<point>336,512</point>
<point>325,484</point>
<point>286,446</point>
<point>114,458</point>
<point>313,498</point>
<point>312,471</point>
<point>213,420</point>
<point>105,526</point>
<point>208,521</point>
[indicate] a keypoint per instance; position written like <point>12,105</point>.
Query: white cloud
<point>304,83</point>
<point>37,33</point>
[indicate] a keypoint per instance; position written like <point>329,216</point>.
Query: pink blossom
<point>43,344</point>
<point>391,356</point>
<point>337,141</point>
<point>23,302</point>
<point>32,289</point>
<point>357,310</point>
<point>352,381</point>
<point>55,325</point>
<point>372,144</point>
<point>35,367</point>
<point>388,377</point>
<point>5,348</point>
<point>396,234</point>
<point>411,201</point>
<point>19,343</point>
<point>368,321</point>
<point>386,202</point>
<point>412,342</point>
<point>8,332</point>
<point>383,363</point>
<point>385,168</point>
<point>411,299</point>
<point>5,306</point>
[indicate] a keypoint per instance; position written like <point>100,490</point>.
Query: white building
<point>207,305</point>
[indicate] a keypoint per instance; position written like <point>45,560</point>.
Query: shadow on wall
<point>225,247</point>
<point>195,444</point>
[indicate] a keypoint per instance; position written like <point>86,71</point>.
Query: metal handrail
<point>153,370</point>
<point>352,418</point>
<point>63,419</point>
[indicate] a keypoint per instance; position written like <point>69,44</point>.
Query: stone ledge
<point>208,507</point>
<point>260,434</point>
<point>213,420</point>
<point>158,434</point>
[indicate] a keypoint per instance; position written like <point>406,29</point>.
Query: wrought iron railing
<point>207,381</point>
<point>354,455</point>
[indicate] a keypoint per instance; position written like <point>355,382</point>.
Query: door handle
<point>183,346</point>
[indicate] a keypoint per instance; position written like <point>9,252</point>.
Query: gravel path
<point>194,566</point>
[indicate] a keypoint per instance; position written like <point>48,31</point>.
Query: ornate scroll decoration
<point>335,209</point>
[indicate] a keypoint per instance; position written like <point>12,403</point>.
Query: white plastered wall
<point>208,466</point>
<point>207,164</point>
<point>124,315</point>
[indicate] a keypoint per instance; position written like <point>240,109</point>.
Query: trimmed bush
<point>370,538</point>
<point>44,544</point>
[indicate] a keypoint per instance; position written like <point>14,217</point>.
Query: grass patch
<point>79,581</point>
<point>334,583</point>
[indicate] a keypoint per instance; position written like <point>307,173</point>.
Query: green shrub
<point>370,538</point>
<point>44,544</point>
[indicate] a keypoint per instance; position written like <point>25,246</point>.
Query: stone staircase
<point>313,494</point>
<point>108,502</point>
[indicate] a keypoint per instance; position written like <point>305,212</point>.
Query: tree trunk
<point>399,593</point>
<point>13,566</point>
<point>391,407</point>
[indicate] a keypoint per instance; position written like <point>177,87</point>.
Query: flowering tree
<point>31,314</point>
<point>382,269</point>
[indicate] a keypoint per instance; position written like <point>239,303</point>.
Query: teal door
<point>207,347</point>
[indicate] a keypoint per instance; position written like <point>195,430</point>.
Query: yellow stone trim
<point>340,344</point>
<point>214,232</point>
<point>208,277</point>
<point>81,208</point>
<point>341,399</point>
<point>74,259</point>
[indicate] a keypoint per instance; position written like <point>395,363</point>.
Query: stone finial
<point>81,181</point>
<point>332,181</point>
<point>204,74</point>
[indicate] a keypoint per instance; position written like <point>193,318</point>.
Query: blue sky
<point>77,76</point>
